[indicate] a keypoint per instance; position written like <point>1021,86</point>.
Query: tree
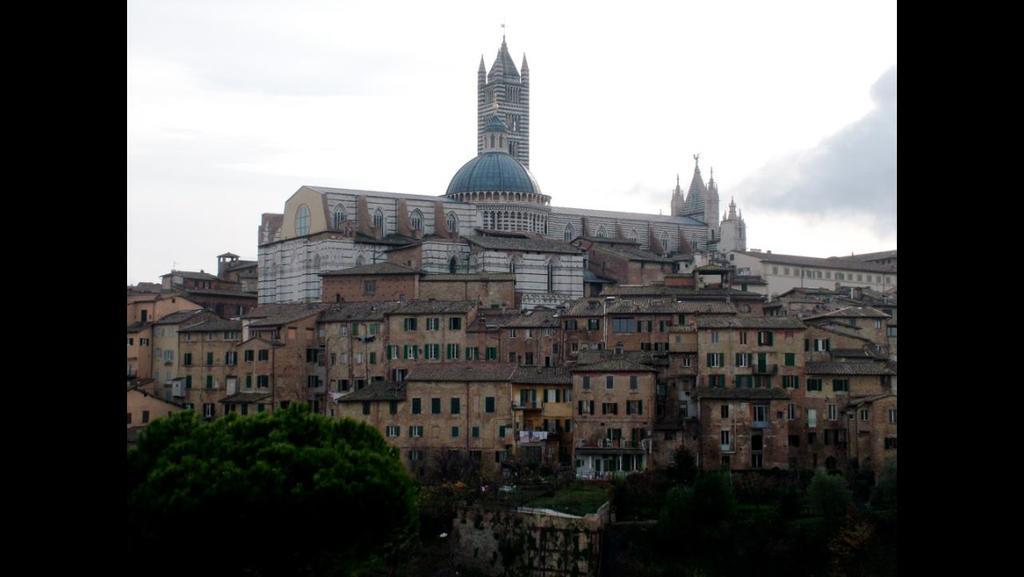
<point>684,466</point>
<point>884,494</point>
<point>829,497</point>
<point>289,493</point>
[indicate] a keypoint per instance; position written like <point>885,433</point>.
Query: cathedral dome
<point>493,171</point>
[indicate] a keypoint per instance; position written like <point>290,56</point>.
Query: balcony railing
<point>527,406</point>
<point>766,369</point>
<point>610,444</point>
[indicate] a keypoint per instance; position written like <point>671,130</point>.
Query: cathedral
<point>493,218</point>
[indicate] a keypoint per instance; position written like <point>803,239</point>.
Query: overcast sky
<point>232,106</point>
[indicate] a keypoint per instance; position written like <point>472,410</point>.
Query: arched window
<point>570,232</point>
<point>416,220</point>
<point>360,260</point>
<point>664,243</point>
<point>339,216</point>
<point>302,221</point>
<point>453,265</point>
<point>600,231</point>
<point>316,263</point>
<point>551,276</point>
<point>631,235</point>
<point>378,219</point>
<point>453,222</point>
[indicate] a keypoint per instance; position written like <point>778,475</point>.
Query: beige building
<point>142,310</point>
<point>784,272</point>
<point>744,428</point>
<point>459,407</point>
<point>614,417</point>
<point>143,408</point>
<point>166,362</point>
<point>542,413</point>
<point>871,425</point>
<point>208,364</point>
<point>429,332</point>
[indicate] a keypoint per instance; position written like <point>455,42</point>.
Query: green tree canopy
<point>289,493</point>
<point>829,497</point>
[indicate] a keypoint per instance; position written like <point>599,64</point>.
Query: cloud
<point>851,173</point>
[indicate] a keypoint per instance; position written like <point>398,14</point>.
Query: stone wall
<point>529,542</point>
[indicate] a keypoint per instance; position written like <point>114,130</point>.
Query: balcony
<point>611,444</point>
<point>527,406</point>
<point>765,369</point>
<point>759,425</point>
<point>726,448</point>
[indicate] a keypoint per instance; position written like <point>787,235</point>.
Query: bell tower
<point>505,92</point>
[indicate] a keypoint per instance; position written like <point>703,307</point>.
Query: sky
<point>234,105</point>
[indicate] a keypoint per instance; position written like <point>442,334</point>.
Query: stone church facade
<point>492,218</point>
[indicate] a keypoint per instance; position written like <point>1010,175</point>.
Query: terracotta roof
<point>844,330</point>
<point>492,319</point>
<point>631,253</point>
<point>181,316</point>
<point>541,245</point>
<point>136,327</point>
<point>531,319</point>
<point>542,376</point>
<point>245,398</point>
<point>685,293</point>
<point>376,391</point>
<point>858,401</point>
<point>344,312</point>
<point>852,313</point>
<point>461,372</point>
<point>381,268</point>
<point>201,275</point>
<point>646,358</point>
<point>420,307</point>
<point>613,365</point>
<point>851,368</point>
<point>212,325</point>
<point>270,315</point>
<point>221,293</point>
<point>745,393</point>
<point>749,322</point>
<point>868,353</point>
<point>588,307</point>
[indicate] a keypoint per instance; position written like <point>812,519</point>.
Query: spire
<point>698,191</point>
<point>483,67</point>
<point>503,68</point>
<point>525,69</point>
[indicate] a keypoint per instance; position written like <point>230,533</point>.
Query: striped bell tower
<point>506,92</point>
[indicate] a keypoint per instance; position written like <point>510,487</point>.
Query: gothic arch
<point>338,215</point>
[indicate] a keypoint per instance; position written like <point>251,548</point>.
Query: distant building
<point>785,272</point>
